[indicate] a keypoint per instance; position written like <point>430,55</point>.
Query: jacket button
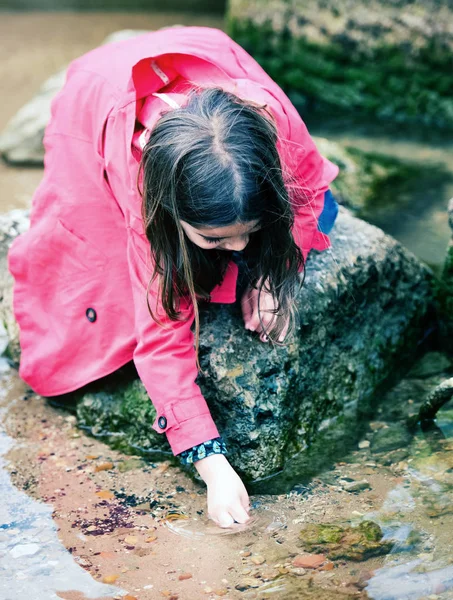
<point>162,422</point>
<point>91,315</point>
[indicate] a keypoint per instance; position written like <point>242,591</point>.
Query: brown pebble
<point>131,539</point>
<point>327,567</point>
<point>110,578</point>
<point>258,559</point>
<point>152,538</point>
<point>309,561</point>
<point>105,495</point>
<point>103,467</point>
<point>246,553</point>
<point>221,592</point>
<point>270,574</point>
<point>184,576</point>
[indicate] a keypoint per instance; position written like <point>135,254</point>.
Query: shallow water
<point>418,216</point>
<point>144,523</point>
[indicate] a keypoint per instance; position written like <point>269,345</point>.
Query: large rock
<point>364,307</point>
<point>21,141</point>
<point>386,58</point>
<point>444,289</point>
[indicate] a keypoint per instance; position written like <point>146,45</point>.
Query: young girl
<point>170,158</point>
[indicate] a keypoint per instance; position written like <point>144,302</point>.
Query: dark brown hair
<point>213,163</point>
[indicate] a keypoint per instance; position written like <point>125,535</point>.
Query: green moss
<point>397,82</point>
<point>348,543</point>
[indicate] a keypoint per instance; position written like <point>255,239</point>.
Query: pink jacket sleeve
<point>165,359</point>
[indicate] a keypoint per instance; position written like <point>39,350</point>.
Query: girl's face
<point>233,237</point>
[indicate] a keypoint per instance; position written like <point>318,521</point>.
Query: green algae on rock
<point>383,58</point>
<point>347,543</point>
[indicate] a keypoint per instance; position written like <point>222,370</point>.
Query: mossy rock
<point>386,59</point>
<point>346,543</point>
<point>122,415</point>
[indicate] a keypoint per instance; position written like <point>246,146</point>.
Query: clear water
<point>419,221</point>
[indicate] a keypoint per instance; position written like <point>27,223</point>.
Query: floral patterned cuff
<point>215,446</point>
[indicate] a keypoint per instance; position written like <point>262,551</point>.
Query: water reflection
<point>264,521</point>
<point>33,562</point>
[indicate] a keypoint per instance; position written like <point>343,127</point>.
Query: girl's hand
<point>249,304</point>
<point>228,501</point>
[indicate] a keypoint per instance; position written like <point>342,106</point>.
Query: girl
<point>170,158</point>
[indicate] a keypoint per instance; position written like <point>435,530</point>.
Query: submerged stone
<point>393,437</point>
<point>348,543</point>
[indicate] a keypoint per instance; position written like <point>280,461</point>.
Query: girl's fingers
<point>245,501</point>
<point>239,514</point>
<point>224,520</point>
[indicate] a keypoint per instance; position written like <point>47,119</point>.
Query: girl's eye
<point>213,240</point>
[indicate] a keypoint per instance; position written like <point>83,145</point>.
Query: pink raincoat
<point>82,269</point>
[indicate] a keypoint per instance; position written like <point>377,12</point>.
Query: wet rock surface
<point>382,59</point>
<point>364,306</point>
<point>350,543</point>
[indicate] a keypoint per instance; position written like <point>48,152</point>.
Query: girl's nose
<point>237,244</point>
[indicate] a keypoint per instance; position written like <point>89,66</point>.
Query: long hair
<point>214,163</point>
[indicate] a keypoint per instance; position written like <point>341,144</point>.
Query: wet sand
<point>111,512</point>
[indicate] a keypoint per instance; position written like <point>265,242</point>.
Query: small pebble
<point>356,486</point>
<point>247,583</point>
<point>309,561</point>
<point>103,467</point>
<point>364,444</point>
<point>258,559</point>
<point>185,576</point>
<point>298,571</point>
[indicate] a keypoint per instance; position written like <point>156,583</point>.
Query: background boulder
<point>386,58</point>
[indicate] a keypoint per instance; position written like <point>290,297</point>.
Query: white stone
<point>24,550</point>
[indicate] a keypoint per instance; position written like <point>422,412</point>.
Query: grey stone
<point>21,143</point>
<point>11,225</point>
<point>364,306</point>
<point>356,486</point>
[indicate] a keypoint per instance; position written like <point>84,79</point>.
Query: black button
<point>162,422</point>
<point>91,315</point>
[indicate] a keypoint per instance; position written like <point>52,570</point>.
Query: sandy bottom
<point>142,526</point>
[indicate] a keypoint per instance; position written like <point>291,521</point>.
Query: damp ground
<point>80,520</point>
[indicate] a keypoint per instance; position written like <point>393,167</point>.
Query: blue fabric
<point>329,213</point>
